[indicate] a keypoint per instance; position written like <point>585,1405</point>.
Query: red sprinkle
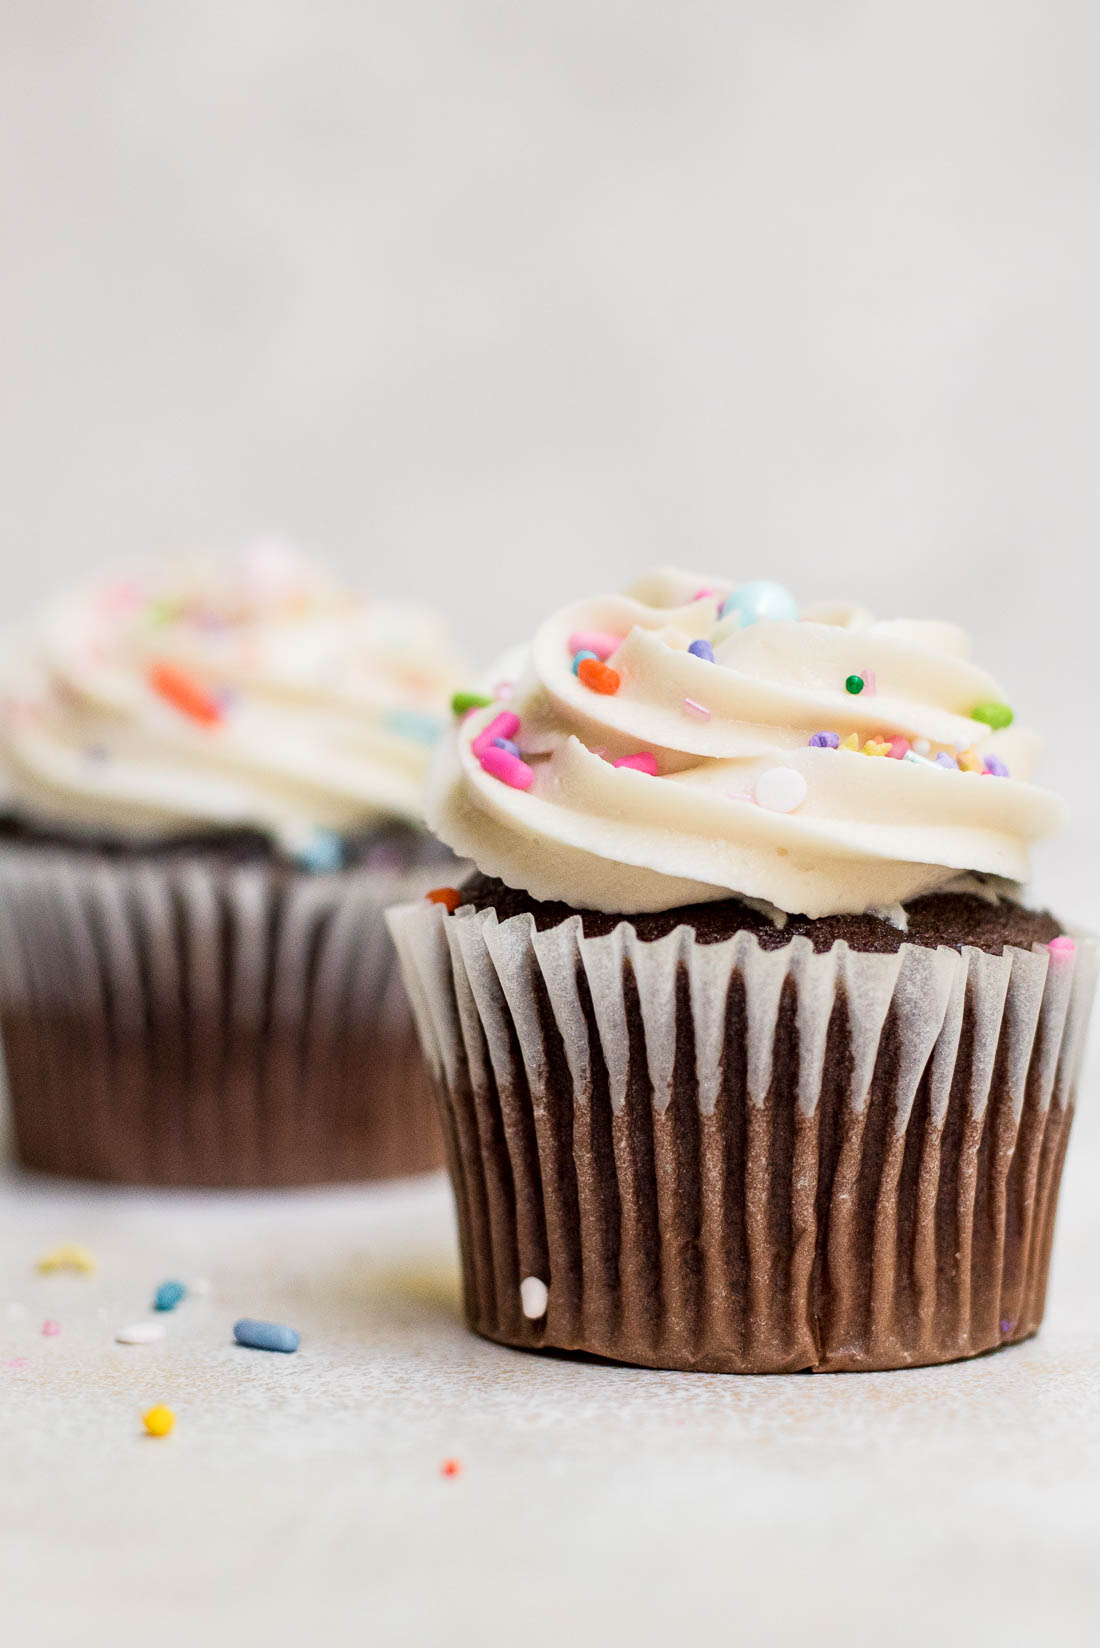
<point>599,677</point>
<point>451,1467</point>
<point>184,693</point>
<point>449,897</point>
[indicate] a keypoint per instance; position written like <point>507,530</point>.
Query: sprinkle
<point>876,746</point>
<point>266,1336</point>
<point>946,761</point>
<point>508,768</point>
<point>69,1256</point>
<point>504,689</point>
<point>534,1295</point>
<point>51,1328</point>
<point>760,600</point>
<point>741,795</point>
<point>1006,1325</point>
<point>919,760</point>
<point>322,853</point>
<point>506,744</point>
<point>451,1467</point>
<point>600,677</point>
<point>462,702</point>
<point>16,1362</point>
<point>780,790</point>
<point>596,641</point>
<point>641,761</point>
<point>699,711</point>
<point>581,657</point>
<point>185,694</point>
<point>870,682</point>
<point>704,595</point>
<point>449,897</point>
<point>851,742</point>
<point>854,685</point>
<point>922,746</point>
<point>996,767</point>
<point>159,1421</point>
<point>504,725</point>
<point>140,1333</point>
<point>899,749</point>
<point>418,725</point>
<point>993,715</point>
<point>702,649</point>
<point>1063,945</point>
<point>825,741</point>
<point>169,1295</point>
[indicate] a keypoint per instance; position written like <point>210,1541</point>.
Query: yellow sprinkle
<point>873,747</point>
<point>851,742</point>
<point>69,1256</point>
<point>969,762</point>
<point>159,1421</point>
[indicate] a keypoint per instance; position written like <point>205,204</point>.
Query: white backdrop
<point>501,302</point>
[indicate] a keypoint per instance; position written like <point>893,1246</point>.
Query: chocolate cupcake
<point>750,1056</point>
<point>211,780</point>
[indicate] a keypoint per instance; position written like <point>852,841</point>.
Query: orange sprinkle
<point>184,693</point>
<point>450,897</point>
<point>451,1467</point>
<point>600,677</point>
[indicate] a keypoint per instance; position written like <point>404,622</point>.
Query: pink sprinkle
<point>870,682</point>
<point>16,1362</point>
<point>507,767</point>
<point>51,1328</point>
<point>700,711</point>
<point>899,748</point>
<point>504,725</point>
<point>598,641</point>
<point>643,761</point>
<point>704,594</point>
<point>504,689</point>
<point>742,795</point>
<point>1062,946</point>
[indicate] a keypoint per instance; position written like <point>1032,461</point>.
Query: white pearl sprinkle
<point>780,789</point>
<point>140,1333</point>
<point>921,745</point>
<point>534,1297</point>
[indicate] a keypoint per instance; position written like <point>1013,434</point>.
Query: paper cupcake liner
<point>201,1020</point>
<point>723,1158</point>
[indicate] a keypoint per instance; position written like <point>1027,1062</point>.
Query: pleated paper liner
<point>723,1158</point>
<point>197,1020</point>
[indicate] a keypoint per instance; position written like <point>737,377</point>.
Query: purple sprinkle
<point>506,744</point>
<point>825,741</point>
<point>1006,1325</point>
<point>945,760</point>
<point>702,649</point>
<point>994,765</point>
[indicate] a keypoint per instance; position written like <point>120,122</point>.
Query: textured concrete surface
<point>302,1498</point>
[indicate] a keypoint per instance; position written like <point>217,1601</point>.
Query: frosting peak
<point>679,743</point>
<point>199,692</point>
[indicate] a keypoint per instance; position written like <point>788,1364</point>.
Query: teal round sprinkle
<point>266,1336</point>
<point>414,724</point>
<point>169,1295</point>
<point>854,684</point>
<point>579,658</point>
<point>993,715</point>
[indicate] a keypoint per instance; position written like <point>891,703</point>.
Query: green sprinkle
<point>854,684</point>
<point>993,715</point>
<point>463,701</point>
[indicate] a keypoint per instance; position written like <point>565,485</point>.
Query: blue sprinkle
<point>506,744</point>
<point>579,658</point>
<point>169,1295</point>
<point>416,724</point>
<point>825,741</point>
<point>322,854</point>
<point>759,600</point>
<point>994,765</point>
<point>945,760</point>
<point>702,649</point>
<point>266,1335</point>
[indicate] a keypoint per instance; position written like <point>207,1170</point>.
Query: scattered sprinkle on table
<point>51,1328</point>
<point>169,1295</point>
<point>141,1333</point>
<point>69,1256</point>
<point>534,1296</point>
<point>159,1421</point>
<point>266,1336</point>
<point>451,1467</point>
<point>449,897</point>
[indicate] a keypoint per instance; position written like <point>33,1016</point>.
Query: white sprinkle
<point>700,711</point>
<point>921,745</point>
<point>140,1333</point>
<point>780,789</point>
<point>534,1297</point>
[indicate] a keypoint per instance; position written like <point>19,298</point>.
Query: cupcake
<point>750,1056</point>
<point>211,775</point>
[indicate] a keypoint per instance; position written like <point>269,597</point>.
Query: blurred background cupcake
<point>211,773</point>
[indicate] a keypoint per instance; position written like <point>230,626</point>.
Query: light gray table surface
<point>301,1499</point>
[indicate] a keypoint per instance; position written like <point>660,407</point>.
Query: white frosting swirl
<point>198,692</point>
<point>870,832</point>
